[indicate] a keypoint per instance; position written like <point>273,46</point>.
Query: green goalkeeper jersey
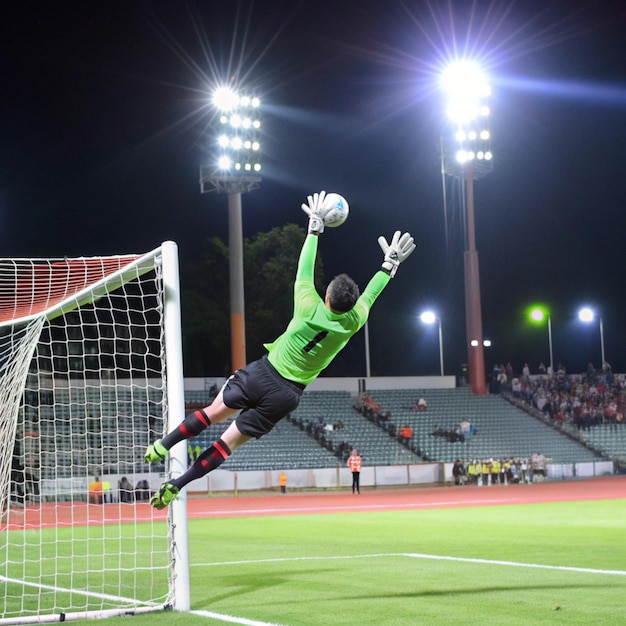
<point>315,335</point>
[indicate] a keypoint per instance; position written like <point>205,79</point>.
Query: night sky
<point>104,121</point>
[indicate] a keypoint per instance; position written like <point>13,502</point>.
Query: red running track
<point>323,502</point>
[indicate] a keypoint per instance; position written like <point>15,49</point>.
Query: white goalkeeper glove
<point>398,250</point>
<point>317,211</point>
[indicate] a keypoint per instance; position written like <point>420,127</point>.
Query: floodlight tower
<point>466,155</point>
<point>538,314</point>
<point>588,315</point>
<point>235,170</point>
<point>428,317</point>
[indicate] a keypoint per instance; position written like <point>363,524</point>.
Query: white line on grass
<point>80,592</point>
<point>562,568</point>
<point>231,619</point>
<point>218,616</point>
<point>295,558</point>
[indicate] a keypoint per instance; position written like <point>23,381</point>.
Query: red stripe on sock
<point>201,415</point>
<point>220,450</point>
<point>184,431</point>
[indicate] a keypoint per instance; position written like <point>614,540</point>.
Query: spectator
<point>486,472</point>
<point>282,482</point>
<point>406,434</point>
<point>420,405</point>
<point>126,492</point>
<point>538,463</point>
<point>495,467</point>
<point>458,472</point>
<point>524,473</point>
<point>142,491</point>
<point>354,463</point>
<point>472,473</point>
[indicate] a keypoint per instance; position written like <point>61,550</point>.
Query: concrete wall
<point>327,478</point>
<point>352,385</point>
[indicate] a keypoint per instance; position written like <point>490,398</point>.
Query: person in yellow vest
<point>472,475</point>
<point>486,472</point>
<point>282,482</point>
<point>479,472</point>
<point>354,463</point>
<point>495,471</point>
<point>506,471</point>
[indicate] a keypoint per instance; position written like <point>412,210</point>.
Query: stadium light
<point>235,169</point>
<point>428,317</point>
<point>538,314</point>
<point>466,155</point>
<point>588,315</point>
<point>467,93</point>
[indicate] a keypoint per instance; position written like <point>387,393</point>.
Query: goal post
<point>90,373</point>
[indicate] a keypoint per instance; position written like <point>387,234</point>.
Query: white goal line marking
<point>81,592</point>
<point>232,619</point>
<point>434,557</point>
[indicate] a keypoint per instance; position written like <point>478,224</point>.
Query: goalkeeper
<point>263,392</point>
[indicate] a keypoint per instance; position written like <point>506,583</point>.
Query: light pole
<point>588,315</point>
<point>466,155</point>
<point>428,317</point>
<point>538,315</point>
<point>235,170</point>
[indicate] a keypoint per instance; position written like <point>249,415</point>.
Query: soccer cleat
<point>166,493</point>
<point>155,452</point>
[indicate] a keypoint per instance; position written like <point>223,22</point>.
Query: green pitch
<point>556,563</point>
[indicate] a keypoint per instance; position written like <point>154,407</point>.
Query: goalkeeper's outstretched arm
<point>396,252</point>
<point>315,210</point>
<point>401,246</point>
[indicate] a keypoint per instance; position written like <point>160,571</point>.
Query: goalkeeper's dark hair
<point>343,292</point>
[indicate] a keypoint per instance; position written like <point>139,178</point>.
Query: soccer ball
<point>338,212</point>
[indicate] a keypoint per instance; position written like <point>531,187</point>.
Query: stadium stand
<point>608,439</point>
<point>502,430</point>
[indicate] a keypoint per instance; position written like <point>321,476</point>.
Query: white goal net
<point>90,373</point>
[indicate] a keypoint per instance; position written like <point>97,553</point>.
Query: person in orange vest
<point>354,463</point>
<point>282,482</point>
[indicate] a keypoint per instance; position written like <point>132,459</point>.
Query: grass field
<point>543,563</point>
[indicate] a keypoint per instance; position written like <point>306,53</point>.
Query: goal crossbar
<point>53,287</point>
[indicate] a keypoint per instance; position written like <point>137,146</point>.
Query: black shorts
<point>263,396</point>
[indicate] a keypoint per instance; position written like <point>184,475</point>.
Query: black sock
<point>192,425</point>
<point>209,460</point>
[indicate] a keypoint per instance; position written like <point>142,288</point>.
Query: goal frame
<point>178,581</point>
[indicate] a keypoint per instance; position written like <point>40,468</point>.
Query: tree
<point>205,311</point>
<point>270,262</point>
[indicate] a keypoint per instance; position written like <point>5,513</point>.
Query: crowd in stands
<point>501,471</point>
<point>461,433</point>
<point>371,409</point>
<point>583,400</point>
<point>317,429</point>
